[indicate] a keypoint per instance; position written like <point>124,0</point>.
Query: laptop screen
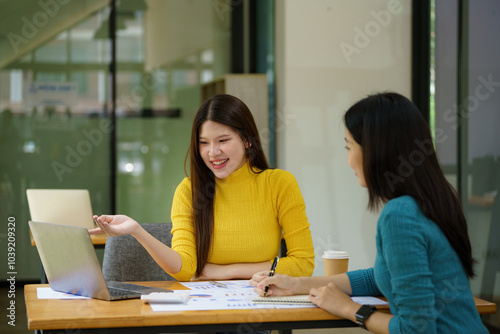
<point>61,206</point>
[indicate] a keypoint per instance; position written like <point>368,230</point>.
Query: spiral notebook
<point>296,299</point>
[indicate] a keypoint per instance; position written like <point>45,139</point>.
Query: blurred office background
<point>100,94</point>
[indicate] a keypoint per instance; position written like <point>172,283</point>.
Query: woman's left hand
<point>332,299</point>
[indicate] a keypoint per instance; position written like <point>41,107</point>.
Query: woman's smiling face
<point>221,148</point>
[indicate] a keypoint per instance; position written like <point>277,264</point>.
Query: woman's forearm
<point>232,271</point>
<point>167,258</point>
<point>306,283</point>
<point>246,270</point>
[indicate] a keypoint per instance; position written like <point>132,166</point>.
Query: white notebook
<point>296,299</point>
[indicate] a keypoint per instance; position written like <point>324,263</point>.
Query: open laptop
<point>61,206</point>
<point>71,264</point>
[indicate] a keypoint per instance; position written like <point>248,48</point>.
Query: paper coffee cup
<point>335,262</point>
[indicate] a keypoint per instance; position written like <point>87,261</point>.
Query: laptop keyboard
<point>120,292</point>
<point>121,285</point>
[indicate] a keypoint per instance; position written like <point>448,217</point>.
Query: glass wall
<point>56,108</point>
<point>165,50</point>
<point>54,130</point>
<point>467,117</point>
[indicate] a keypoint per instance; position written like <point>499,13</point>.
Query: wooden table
<point>127,315</point>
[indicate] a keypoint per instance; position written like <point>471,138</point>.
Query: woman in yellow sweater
<point>229,216</point>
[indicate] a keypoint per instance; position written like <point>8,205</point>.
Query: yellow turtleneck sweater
<point>251,211</point>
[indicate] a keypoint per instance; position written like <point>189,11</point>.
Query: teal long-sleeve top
<point>419,273</point>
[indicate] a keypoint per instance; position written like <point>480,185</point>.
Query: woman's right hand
<point>114,225</point>
<point>279,285</point>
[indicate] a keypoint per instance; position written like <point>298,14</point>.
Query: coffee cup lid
<point>332,254</point>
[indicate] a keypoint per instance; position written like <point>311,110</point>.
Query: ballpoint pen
<point>271,273</point>
<point>219,284</point>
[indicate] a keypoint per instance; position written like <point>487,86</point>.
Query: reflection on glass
<point>166,49</point>
<point>478,143</point>
<point>53,129</point>
<point>480,146</point>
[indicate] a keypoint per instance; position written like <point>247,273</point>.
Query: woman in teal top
<point>424,260</point>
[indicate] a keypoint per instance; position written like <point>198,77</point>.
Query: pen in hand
<point>271,273</point>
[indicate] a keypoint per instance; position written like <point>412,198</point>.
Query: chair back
<point>125,259</point>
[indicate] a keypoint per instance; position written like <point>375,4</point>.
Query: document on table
<point>237,295</point>
<point>48,293</point>
<point>206,296</point>
<point>237,288</point>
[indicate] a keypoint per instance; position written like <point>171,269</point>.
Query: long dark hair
<point>231,111</point>
<point>399,159</point>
